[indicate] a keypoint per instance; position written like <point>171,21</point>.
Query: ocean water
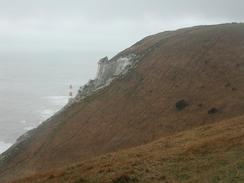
<point>35,86</point>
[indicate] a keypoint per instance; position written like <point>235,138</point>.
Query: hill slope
<point>208,154</point>
<point>181,80</point>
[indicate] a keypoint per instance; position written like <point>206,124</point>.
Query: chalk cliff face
<point>108,71</point>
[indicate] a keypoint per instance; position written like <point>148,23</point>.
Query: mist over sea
<point>35,86</point>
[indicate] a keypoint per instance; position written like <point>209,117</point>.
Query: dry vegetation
<point>187,91</point>
<point>209,154</point>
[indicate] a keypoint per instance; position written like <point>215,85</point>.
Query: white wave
<point>4,146</point>
<point>47,113</point>
<point>58,100</point>
<point>28,128</point>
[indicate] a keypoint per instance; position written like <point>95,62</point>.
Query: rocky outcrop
<point>108,71</point>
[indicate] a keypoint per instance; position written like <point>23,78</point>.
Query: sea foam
<point>4,146</point>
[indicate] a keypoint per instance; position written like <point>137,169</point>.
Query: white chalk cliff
<point>108,70</point>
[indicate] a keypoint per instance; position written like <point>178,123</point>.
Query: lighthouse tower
<point>70,91</point>
<point>70,98</point>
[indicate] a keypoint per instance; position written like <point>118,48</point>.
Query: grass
<point>209,154</point>
<point>125,179</point>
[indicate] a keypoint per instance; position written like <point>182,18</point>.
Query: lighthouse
<point>70,91</point>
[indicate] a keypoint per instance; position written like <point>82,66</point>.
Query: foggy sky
<point>102,26</point>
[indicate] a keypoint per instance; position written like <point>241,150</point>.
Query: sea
<point>34,86</point>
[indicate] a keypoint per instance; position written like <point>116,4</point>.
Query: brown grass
<point>209,154</point>
<point>202,66</point>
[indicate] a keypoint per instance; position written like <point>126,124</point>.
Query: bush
<point>181,104</point>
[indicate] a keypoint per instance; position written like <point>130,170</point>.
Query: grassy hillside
<point>209,154</point>
<point>183,80</point>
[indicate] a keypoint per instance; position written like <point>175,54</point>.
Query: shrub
<point>181,104</point>
<point>212,110</point>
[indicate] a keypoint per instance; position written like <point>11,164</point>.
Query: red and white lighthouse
<point>70,91</point>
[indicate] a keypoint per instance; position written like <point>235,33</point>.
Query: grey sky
<point>102,26</point>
